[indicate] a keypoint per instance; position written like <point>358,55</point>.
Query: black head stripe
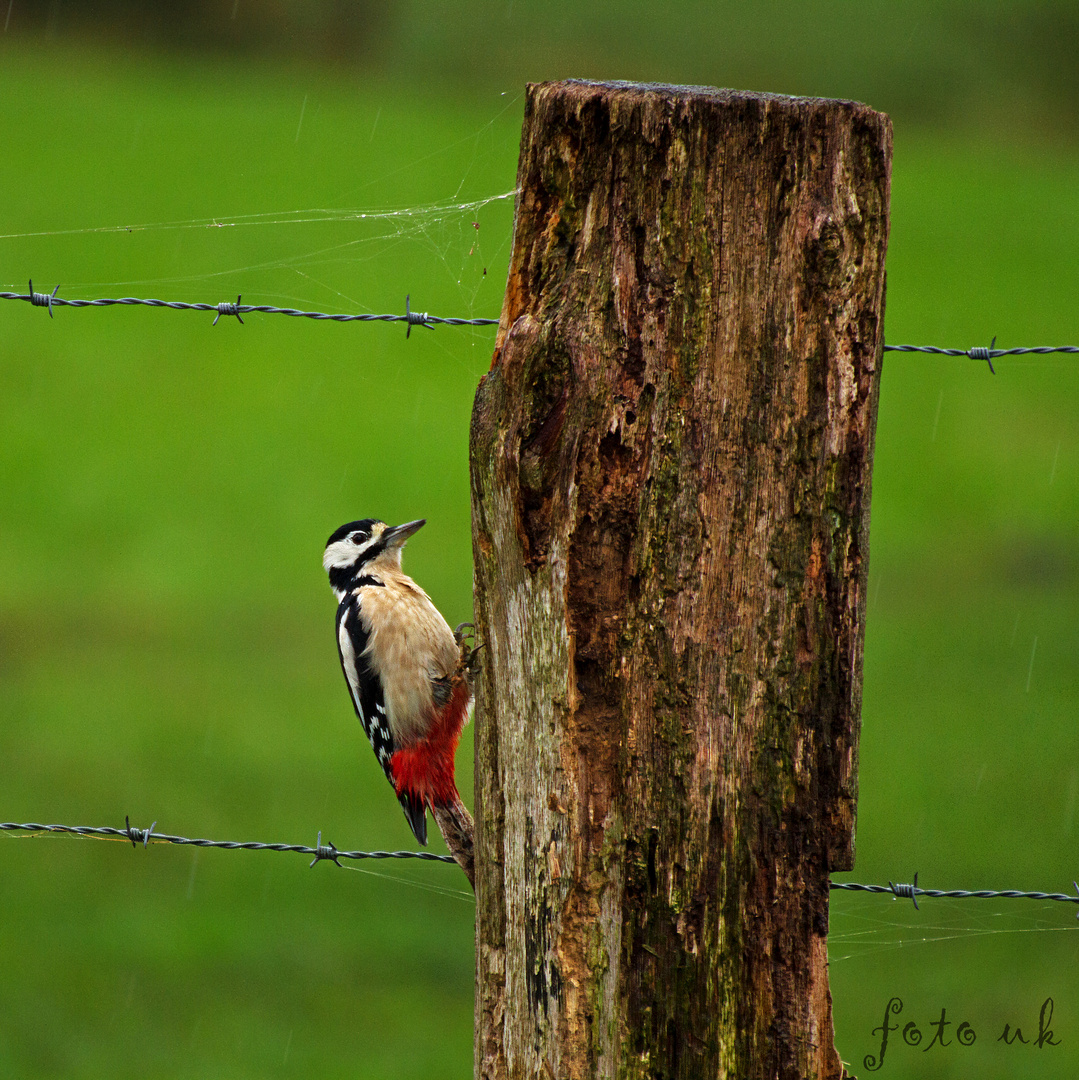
<point>344,579</point>
<point>364,527</point>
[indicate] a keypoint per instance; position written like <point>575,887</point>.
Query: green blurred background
<point>166,487</point>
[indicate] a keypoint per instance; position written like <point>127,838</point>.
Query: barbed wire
<point>330,852</point>
<point>979,352</point>
<point>422,318</point>
<point>228,309</point>
<point>912,892</point>
<point>145,836</point>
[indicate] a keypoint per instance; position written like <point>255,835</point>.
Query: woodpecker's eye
<point>357,538</point>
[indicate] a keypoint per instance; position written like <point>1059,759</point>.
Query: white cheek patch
<point>346,553</point>
<point>340,554</point>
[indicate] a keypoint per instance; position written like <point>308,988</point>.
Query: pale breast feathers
<point>409,646</point>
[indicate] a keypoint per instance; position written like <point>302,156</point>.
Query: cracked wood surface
<point>671,460</point>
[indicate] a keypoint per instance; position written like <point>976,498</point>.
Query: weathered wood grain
<point>671,461</point>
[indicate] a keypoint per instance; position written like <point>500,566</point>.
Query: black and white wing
<point>365,689</point>
<point>364,686</point>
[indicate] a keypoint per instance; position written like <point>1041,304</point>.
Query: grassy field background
<point>166,630</point>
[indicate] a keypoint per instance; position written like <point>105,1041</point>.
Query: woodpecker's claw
<point>473,663</point>
<point>469,660</point>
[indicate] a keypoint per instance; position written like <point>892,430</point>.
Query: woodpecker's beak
<point>396,536</point>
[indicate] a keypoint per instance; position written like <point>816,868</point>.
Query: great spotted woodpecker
<point>408,673</point>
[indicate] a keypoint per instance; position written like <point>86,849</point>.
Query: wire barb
<point>138,834</point>
<point>414,318</point>
<point>225,308</point>
<point>979,353</point>
<point>42,299</point>
<point>907,891</point>
<point>324,851</point>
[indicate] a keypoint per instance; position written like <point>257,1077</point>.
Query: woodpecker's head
<point>363,547</point>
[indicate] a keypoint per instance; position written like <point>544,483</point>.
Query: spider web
<point>862,927</point>
<point>344,255</point>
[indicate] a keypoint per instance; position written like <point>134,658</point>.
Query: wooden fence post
<point>671,460</point>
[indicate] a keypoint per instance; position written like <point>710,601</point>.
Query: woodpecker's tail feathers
<point>416,811</point>
<point>458,830</point>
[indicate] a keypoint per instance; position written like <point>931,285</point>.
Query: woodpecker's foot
<point>468,663</point>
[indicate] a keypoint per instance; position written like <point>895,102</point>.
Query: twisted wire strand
<point>912,892</point>
<point>145,836</point>
<point>980,352</point>
<point>412,318</point>
<point>422,318</point>
<point>330,852</point>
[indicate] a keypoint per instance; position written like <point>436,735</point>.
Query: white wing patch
<point>348,664</point>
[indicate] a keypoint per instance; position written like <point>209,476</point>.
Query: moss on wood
<point>671,460</point>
